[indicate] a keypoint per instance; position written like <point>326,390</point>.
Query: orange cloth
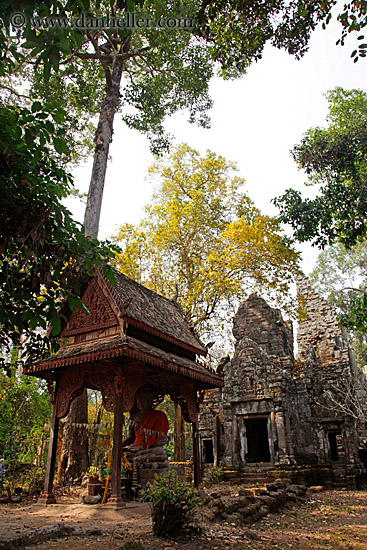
<point>152,420</point>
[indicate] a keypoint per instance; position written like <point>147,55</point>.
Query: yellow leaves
<point>203,238</point>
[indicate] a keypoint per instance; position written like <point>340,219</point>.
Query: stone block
<point>268,500</point>
<point>92,499</point>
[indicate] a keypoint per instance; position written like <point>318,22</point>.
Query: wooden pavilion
<point>130,338</point>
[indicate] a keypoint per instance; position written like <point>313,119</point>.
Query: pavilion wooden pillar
<point>179,428</point>
<point>48,497</point>
<point>115,499</point>
<point>195,448</point>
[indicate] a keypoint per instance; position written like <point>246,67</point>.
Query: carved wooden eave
<point>126,347</point>
<point>118,327</point>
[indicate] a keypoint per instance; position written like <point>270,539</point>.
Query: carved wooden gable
<point>100,314</point>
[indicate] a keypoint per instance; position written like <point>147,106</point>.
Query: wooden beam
<point>115,500</point>
<point>48,497</point>
<point>195,446</point>
<point>179,442</point>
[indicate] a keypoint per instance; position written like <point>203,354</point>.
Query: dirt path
<point>334,520</point>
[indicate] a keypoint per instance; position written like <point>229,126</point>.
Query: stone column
<point>282,442</point>
<point>234,442</point>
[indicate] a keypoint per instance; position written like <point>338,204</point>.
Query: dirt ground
<point>327,520</point>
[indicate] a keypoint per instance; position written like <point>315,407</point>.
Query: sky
<point>255,122</point>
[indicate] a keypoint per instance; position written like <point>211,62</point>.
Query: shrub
<point>216,474</point>
<point>174,505</point>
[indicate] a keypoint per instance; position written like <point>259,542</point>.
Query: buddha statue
<point>148,433</point>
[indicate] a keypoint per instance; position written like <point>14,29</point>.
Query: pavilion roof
<point>125,323</point>
<point>154,313</point>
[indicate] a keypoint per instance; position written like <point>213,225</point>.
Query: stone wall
<point>327,366</point>
<point>274,409</point>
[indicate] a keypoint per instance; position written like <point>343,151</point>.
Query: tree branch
<point>102,59</point>
<point>12,91</point>
<point>353,288</point>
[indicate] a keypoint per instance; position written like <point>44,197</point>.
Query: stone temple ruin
<point>274,417</point>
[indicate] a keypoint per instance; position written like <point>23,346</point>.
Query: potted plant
<point>94,485</point>
<point>93,473</point>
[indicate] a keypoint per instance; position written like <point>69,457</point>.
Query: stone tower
<point>273,409</point>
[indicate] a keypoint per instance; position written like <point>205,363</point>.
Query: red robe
<point>152,420</point>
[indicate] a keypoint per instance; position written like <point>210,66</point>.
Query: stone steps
<point>257,474</point>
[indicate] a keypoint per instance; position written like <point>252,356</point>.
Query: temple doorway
<point>257,440</point>
<point>208,451</point>
<point>335,444</point>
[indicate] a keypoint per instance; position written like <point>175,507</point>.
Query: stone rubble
<point>247,507</point>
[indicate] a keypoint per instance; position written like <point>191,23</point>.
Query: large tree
<point>163,75</point>
<point>44,255</point>
<point>204,243</point>
<point>335,160</point>
<point>150,74</point>
<point>338,274</point>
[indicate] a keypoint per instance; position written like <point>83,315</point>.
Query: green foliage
<point>161,74</point>
<point>240,30</point>
<point>334,158</point>
<point>204,241</point>
<point>28,477</point>
<point>174,505</point>
<point>93,471</point>
<point>233,31</point>
<point>353,19</point>
<point>79,88</point>
<point>44,256</point>
<point>337,272</point>
<point>216,474</point>
<point>356,318</point>
<point>336,268</point>
<point>24,415</point>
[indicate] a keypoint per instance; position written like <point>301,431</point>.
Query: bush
<point>216,474</point>
<point>174,505</point>
<point>23,477</point>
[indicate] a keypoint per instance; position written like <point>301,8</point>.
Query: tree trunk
<point>94,436</point>
<point>74,454</point>
<point>103,139</point>
<point>74,460</point>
